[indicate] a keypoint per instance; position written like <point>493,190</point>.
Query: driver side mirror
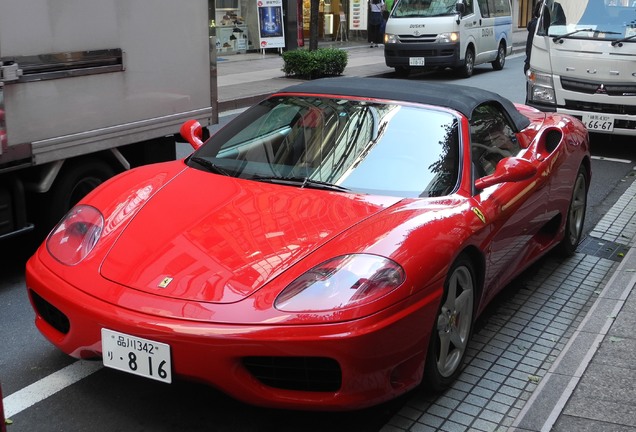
<point>460,8</point>
<point>510,169</point>
<point>192,132</point>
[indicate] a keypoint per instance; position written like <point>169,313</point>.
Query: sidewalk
<point>590,385</point>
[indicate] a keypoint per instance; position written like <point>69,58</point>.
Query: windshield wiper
<point>556,39</point>
<point>211,166</point>
<point>302,182</point>
<point>619,42</point>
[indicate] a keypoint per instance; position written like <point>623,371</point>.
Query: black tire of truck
<point>74,181</point>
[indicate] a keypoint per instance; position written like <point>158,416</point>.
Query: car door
<point>514,212</point>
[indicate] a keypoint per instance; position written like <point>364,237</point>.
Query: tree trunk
<point>313,25</point>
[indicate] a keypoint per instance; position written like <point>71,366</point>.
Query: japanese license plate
<point>136,355</point>
<point>416,61</point>
<point>598,122</point>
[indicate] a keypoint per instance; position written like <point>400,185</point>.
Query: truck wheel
<point>500,61</point>
<point>76,179</point>
<point>466,71</point>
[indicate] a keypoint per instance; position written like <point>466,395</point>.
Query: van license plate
<point>136,355</point>
<point>416,61</point>
<point>598,122</point>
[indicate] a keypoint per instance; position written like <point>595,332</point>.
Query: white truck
<point>90,88</point>
<point>583,63</point>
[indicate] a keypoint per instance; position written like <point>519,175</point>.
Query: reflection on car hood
<point>218,239</point>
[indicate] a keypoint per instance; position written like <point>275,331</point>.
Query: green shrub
<point>323,62</point>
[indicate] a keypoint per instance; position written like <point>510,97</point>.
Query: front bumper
<point>371,360</point>
<point>578,98</point>
<point>435,54</point>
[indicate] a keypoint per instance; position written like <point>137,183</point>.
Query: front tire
<point>453,326</point>
<point>466,71</point>
<point>576,215</point>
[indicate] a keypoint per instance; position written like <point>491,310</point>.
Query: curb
<point>547,403</point>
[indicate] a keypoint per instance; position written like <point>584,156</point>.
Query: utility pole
<point>313,25</point>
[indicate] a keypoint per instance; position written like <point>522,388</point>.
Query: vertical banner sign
<point>358,15</point>
<point>270,23</point>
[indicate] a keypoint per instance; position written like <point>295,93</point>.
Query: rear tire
<point>576,215</point>
<point>453,326</point>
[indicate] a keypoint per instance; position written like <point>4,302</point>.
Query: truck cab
<point>583,63</point>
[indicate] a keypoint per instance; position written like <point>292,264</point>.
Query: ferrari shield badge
<point>164,282</point>
<point>479,214</point>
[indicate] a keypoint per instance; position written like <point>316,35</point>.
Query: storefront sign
<point>270,23</point>
<point>357,15</point>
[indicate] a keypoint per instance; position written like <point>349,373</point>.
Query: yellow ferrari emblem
<point>165,282</point>
<point>479,214</point>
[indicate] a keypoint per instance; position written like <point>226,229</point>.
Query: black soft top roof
<point>457,97</point>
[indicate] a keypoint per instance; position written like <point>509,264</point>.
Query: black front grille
<point>592,87</point>
<point>427,38</point>
<point>318,374</point>
<point>603,108</point>
<point>49,313</point>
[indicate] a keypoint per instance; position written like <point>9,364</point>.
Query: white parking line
<point>48,386</point>
<point>611,159</point>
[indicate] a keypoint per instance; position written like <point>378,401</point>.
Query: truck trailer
<point>90,88</point>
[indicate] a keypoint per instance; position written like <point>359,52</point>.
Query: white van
<point>448,33</point>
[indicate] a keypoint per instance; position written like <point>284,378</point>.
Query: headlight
<point>540,87</point>
<point>76,235</point>
<point>340,283</point>
<point>447,37</point>
<point>390,38</point>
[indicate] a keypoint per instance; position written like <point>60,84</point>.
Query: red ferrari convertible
<point>330,248</point>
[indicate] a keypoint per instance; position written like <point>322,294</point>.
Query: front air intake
<point>317,374</point>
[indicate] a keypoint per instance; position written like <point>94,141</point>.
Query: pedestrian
<point>376,7</point>
<point>532,26</point>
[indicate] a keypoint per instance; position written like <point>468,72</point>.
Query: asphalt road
<point>107,400</point>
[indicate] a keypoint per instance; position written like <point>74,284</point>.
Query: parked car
<point>330,248</point>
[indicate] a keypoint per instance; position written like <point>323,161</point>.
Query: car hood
<point>219,241</point>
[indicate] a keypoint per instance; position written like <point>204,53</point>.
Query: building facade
<point>239,28</point>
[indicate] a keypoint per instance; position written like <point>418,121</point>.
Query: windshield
<point>354,145</point>
<point>590,19</point>
<point>423,8</point>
